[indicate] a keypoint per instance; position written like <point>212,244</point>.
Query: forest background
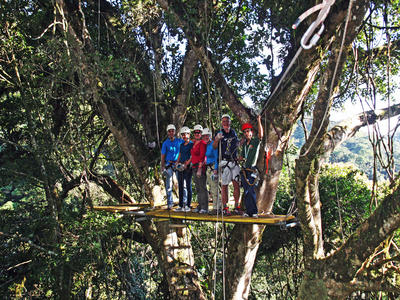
<point>87,89</point>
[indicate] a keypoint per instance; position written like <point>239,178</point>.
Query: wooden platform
<point>162,213</point>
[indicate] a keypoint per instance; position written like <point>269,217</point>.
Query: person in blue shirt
<point>184,171</point>
<point>169,155</point>
<point>212,170</point>
<point>228,142</point>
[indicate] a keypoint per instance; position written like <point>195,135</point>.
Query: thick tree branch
<point>347,261</point>
<point>186,84</point>
<point>205,57</point>
<point>342,290</point>
<point>309,163</point>
<point>348,128</point>
<point>112,187</point>
<point>28,241</point>
<point>381,51</point>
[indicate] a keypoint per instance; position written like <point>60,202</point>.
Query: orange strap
<point>268,155</point>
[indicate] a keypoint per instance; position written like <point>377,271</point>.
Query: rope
<point>291,210</point>
<point>219,199</point>
<point>98,25</point>
<point>155,111</point>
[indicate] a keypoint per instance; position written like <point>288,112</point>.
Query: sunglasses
<point>197,132</point>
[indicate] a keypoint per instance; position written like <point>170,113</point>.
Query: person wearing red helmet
<point>249,155</point>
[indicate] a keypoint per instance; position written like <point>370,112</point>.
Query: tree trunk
<point>241,253</point>
<point>175,255</point>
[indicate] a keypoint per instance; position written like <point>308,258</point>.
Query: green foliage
<point>90,252</point>
<point>279,266</point>
<point>345,196</point>
<point>53,137</point>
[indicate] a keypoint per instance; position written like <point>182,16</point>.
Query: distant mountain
<point>357,150</point>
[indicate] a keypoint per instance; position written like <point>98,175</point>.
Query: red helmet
<point>246,126</point>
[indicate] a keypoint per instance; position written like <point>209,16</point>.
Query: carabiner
<point>313,41</point>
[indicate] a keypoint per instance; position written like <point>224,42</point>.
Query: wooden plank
<point>136,204</point>
<point>162,214</point>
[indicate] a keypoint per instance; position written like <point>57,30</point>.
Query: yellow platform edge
<point>191,216</point>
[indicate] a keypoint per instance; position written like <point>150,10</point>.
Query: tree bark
<point>241,252</point>
<point>281,115</point>
<point>175,255</point>
<point>172,248</point>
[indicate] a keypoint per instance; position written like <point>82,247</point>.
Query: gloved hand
<point>180,167</point>
<point>214,177</point>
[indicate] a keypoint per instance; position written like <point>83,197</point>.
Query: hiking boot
<point>237,211</point>
<point>226,212</point>
<point>179,209</point>
<point>186,209</point>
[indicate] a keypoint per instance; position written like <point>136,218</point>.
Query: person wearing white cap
<point>184,171</point>
<point>212,170</point>
<point>198,165</point>
<point>169,155</point>
<point>228,142</point>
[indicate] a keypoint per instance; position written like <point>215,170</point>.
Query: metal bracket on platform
<point>283,225</point>
<point>292,224</point>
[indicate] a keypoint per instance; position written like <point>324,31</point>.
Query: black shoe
<point>226,212</point>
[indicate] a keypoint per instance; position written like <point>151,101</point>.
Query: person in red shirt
<point>199,169</point>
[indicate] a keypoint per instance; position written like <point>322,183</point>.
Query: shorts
<point>230,171</point>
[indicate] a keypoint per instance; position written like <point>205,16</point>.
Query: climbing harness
<point>254,173</point>
<point>227,165</point>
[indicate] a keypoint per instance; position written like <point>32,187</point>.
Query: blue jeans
<point>249,193</point>
<point>185,187</point>
<point>168,186</point>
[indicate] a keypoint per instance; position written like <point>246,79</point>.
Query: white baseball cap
<point>226,116</point>
<point>198,127</point>
<point>171,126</point>
<point>185,129</point>
<point>207,131</point>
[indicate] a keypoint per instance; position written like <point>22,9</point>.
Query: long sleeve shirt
<point>198,152</point>
<point>212,156</point>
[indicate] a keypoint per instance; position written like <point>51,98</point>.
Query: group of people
<point>209,158</point>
